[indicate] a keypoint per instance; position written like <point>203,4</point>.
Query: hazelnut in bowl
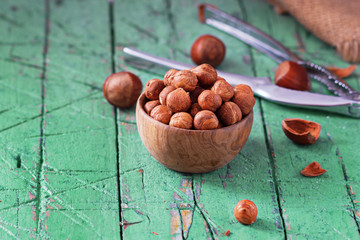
<point>174,134</point>
<point>194,134</point>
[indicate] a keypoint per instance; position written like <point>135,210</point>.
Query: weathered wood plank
<point>305,201</point>
<point>21,43</point>
<point>78,195</point>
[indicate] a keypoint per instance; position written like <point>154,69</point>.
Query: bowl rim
<point>147,116</point>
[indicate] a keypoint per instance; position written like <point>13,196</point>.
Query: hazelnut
<point>169,76</point>
<point>223,89</point>
<point>122,89</point>
<point>243,88</point>
<point>163,94</point>
<point>205,120</point>
<point>161,113</point>
<point>195,94</point>
<point>293,76</point>
<point>194,109</point>
<point>184,79</point>
<point>208,49</point>
<point>206,75</point>
<point>245,212</point>
<point>181,120</point>
<point>244,98</point>
<point>178,100</point>
<point>150,105</point>
<point>208,100</point>
<point>153,88</point>
<point>229,113</point>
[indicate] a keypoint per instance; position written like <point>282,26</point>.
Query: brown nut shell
<point>181,120</point>
<point>150,105</point>
<point>243,88</point>
<point>205,120</point>
<point>178,100</point>
<point>194,109</point>
<point>208,49</point>
<point>161,113</point>
<point>206,75</point>
<point>153,88</point>
<point>122,89</point>
<point>208,100</point>
<point>245,212</point>
<point>301,131</point>
<point>313,170</point>
<point>184,79</point>
<point>169,76</point>
<point>163,94</point>
<point>292,75</point>
<point>244,100</point>
<point>223,89</point>
<point>229,113</point>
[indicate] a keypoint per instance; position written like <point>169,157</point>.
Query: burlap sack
<point>336,22</point>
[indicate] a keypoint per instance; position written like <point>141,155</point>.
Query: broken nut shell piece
<point>313,169</point>
<point>301,131</point>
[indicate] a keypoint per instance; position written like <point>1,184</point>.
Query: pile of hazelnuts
<point>197,99</point>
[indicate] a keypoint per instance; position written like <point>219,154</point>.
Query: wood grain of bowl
<point>191,151</point>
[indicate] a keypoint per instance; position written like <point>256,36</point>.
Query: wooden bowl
<point>191,151</point>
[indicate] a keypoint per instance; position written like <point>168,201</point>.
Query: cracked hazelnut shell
<point>301,131</point>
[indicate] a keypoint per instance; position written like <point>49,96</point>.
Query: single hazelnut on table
<point>205,120</point>
<point>208,100</point>
<point>223,89</point>
<point>181,120</point>
<point>229,113</point>
<point>194,109</point>
<point>208,49</point>
<point>153,88</point>
<point>292,75</point>
<point>244,98</point>
<point>206,75</point>
<point>169,76</point>
<point>122,89</point>
<point>161,113</point>
<point>245,212</point>
<point>184,79</point>
<point>163,94</point>
<point>178,100</point>
<point>195,94</point>
<point>150,105</point>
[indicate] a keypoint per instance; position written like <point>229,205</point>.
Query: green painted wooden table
<point>74,167</point>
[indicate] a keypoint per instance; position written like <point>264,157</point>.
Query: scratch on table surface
<point>287,222</point>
